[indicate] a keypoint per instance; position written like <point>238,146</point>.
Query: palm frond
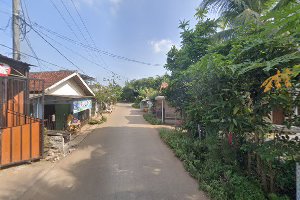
<point>282,3</point>
<point>224,35</point>
<point>247,16</point>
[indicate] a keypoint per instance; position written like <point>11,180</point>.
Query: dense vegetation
<point>151,119</point>
<point>136,90</point>
<point>107,94</point>
<point>212,168</point>
<point>226,79</point>
<point>98,121</point>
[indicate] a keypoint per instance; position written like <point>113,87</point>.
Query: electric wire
<point>93,54</point>
<point>56,49</point>
<point>93,48</point>
<point>38,59</point>
<point>88,32</point>
<point>104,52</point>
<point>64,19</point>
<point>78,27</point>
<point>26,54</point>
<point>83,57</point>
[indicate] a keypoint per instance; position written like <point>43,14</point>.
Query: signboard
<point>79,106</point>
<point>4,70</point>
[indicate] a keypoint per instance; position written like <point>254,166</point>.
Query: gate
<point>21,134</point>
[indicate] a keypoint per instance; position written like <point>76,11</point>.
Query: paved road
<point>123,160</point>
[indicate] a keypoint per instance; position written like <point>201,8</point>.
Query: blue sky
<point>143,30</point>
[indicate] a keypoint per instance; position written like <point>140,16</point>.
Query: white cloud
<point>162,46</point>
<point>115,5</point>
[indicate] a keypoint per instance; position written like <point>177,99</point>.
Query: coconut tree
<point>234,13</point>
<point>237,12</point>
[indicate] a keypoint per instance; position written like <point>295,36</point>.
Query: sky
<point>142,30</point>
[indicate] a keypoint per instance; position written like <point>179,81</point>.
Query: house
<point>65,93</point>
<point>21,136</point>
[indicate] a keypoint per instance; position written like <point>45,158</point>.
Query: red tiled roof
<point>50,78</point>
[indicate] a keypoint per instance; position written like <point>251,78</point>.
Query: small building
<point>21,136</point>
<point>65,93</point>
<point>145,105</point>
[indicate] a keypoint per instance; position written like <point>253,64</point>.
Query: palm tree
<point>234,13</point>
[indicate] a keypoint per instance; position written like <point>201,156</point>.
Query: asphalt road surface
<point>125,159</point>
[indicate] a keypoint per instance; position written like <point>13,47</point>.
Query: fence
<point>21,136</point>
<point>20,143</point>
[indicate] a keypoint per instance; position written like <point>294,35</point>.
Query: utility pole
<point>16,29</point>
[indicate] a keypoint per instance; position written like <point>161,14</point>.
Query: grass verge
<point>151,119</point>
<point>202,159</point>
<point>135,105</point>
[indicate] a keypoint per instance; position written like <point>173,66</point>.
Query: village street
<point>125,159</point>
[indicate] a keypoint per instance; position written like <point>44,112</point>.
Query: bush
<point>104,119</point>
<point>152,119</point>
<point>95,122</point>
<point>203,161</point>
<point>136,105</point>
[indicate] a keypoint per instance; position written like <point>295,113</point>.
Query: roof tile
<point>50,78</point>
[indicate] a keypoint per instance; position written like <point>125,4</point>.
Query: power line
<point>38,59</point>
<point>66,8</point>
<point>25,54</point>
<point>96,49</point>
<point>7,25</point>
<point>78,27</point>
<point>39,34</point>
<point>24,5</point>
<point>82,56</point>
<point>64,19</point>
<point>93,48</point>
<point>56,49</point>
<point>32,50</point>
<point>25,12</point>
<point>86,29</point>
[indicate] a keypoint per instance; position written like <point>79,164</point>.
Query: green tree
<point>109,94</point>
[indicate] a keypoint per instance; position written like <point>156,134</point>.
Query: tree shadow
<point>116,163</point>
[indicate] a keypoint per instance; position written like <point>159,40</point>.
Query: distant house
<point>21,136</point>
<point>65,93</point>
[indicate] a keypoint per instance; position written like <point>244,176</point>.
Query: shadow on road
<point>123,160</point>
<point>115,163</point>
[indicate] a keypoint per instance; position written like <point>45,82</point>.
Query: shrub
<point>203,161</point>
<point>152,119</point>
<point>104,119</point>
<point>136,105</point>
<point>95,122</point>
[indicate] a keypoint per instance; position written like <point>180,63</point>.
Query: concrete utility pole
<point>16,29</point>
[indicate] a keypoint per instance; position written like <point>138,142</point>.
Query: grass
<point>204,161</point>
<point>151,119</point>
<point>136,105</point>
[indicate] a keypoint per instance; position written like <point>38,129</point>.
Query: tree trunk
<point>262,173</point>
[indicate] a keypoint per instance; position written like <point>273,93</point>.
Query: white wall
<point>37,109</point>
<point>67,88</point>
